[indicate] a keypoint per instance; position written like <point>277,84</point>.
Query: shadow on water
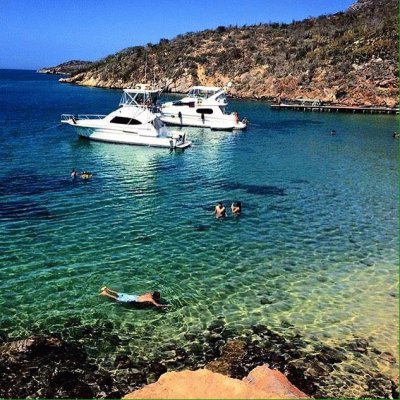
<point>285,128</point>
<point>22,210</point>
<point>29,184</point>
<point>201,228</point>
<point>24,184</point>
<point>262,190</point>
<point>297,181</point>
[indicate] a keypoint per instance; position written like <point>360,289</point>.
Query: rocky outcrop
<point>349,58</point>
<point>261,383</point>
<point>68,68</point>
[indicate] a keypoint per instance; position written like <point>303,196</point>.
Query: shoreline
<point>273,100</point>
<point>48,365</point>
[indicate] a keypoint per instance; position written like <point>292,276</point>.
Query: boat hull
<point>198,122</point>
<point>129,138</point>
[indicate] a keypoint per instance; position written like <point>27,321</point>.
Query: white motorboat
<point>135,122</point>
<point>204,106</point>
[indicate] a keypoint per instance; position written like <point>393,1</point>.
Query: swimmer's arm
<point>159,305</point>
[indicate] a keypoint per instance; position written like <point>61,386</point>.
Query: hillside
<point>347,58</point>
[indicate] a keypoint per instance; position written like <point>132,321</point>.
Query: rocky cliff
<point>346,58</point>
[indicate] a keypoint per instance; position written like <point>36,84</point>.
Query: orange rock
<point>262,383</point>
<point>274,383</point>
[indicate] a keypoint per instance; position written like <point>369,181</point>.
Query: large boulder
<point>261,383</point>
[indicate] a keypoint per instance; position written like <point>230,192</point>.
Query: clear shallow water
<point>315,251</point>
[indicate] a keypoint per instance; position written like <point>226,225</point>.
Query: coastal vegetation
<point>346,58</point>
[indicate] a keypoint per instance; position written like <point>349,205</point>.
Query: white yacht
<point>204,106</point>
<point>135,122</point>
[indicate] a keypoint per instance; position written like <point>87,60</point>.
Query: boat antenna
<point>145,67</point>
<point>154,72</point>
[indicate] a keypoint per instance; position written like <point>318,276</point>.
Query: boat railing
<point>90,116</point>
<point>68,117</point>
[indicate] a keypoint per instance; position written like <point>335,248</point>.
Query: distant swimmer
<point>219,210</point>
<point>396,135</point>
<point>74,174</point>
<point>146,298</point>
<point>333,132</point>
<point>236,208</point>
<point>86,175</point>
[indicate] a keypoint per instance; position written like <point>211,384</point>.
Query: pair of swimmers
<point>84,174</point>
<point>220,211</point>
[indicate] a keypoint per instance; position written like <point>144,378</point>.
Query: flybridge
<point>205,91</point>
<point>140,96</point>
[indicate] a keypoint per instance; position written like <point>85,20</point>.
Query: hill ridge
<point>345,58</point>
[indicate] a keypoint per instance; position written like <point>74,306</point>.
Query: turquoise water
<point>315,251</point>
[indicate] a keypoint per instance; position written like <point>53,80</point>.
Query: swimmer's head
<point>156,296</point>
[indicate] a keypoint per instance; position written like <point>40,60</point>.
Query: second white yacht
<point>204,106</point>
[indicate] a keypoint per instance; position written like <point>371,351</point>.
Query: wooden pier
<point>334,108</point>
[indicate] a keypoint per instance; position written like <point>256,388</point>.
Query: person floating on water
<point>236,208</point>
<point>333,132</point>
<point>219,210</point>
<point>146,298</point>
<point>74,174</point>
<point>86,175</point>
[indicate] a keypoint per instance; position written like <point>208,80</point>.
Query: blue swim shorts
<point>127,298</point>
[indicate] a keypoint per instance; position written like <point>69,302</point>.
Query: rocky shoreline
<point>67,68</point>
<point>274,90</point>
<point>49,366</point>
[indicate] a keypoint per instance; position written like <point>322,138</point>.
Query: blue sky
<point>43,33</point>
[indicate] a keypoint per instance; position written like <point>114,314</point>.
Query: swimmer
<point>146,298</point>
<point>236,208</point>
<point>74,174</point>
<point>219,210</point>
<point>86,175</point>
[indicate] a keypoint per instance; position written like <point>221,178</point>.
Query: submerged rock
<point>231,361</point>
<point>122,362</point>
<point>48,367</point>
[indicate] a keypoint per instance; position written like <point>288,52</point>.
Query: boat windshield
<point>204,93</point>
<point>222,97</point>
<point>134,97</point>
